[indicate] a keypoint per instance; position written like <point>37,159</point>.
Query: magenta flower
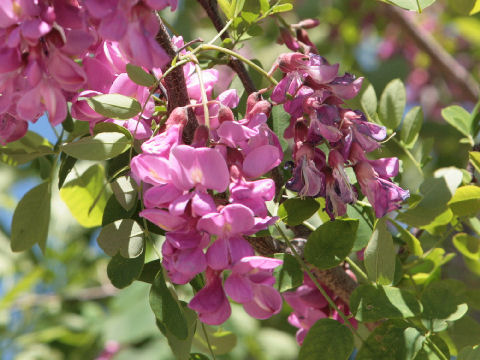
<point>201,168</point>
<point>211,302</point>
<point>228,225</point>
<point>384,195</point>
<point>251,284</point>
<point>183,257</point>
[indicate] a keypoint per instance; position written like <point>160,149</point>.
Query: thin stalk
<point>206,114</point>
<point>436,349</point>
<point>410,156</point>
<point>225,28</point>
<point>208,341</point>
<point>317,284</point>
<point>357,269</point>
<point>239,57</point>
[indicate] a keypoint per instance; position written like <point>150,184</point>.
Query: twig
<point>176,85</point>
<point>211,9</point>
<point>440,57</point>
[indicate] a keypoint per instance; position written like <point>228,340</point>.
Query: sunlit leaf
<point>85,196</point>
<point>115,106</point>
<point>380,255</point>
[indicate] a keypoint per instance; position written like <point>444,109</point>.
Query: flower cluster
<point>207,197</point>
<point>309,305</point>
<point>312,93</point>
<point>40,40</point>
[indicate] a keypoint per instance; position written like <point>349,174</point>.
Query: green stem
<point>357,269</point>
<point>409,155</point>
<point>208,341</point>
<point>317,284</point>
<point>239,57</point>
<point>435,348</point>
<point>225,28</point>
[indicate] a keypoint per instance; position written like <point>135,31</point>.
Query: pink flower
<point>384,195</point>
<point>211,302</point>
<point>183,257</point>
<point>251,284</point>
<point>202,168</point>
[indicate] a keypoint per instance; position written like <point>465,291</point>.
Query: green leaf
<point>327,339</point>
<point>476,8</point>
<point>181,347</point>
<point>469,352</point>
<point>66,166</point>
<point>29,147</point>
<point>373,303</point>
<point>295,211</point>
<point>330,244</point>
<point>83,192</point>
<point>364,231</point>
<point>149,271</point>
<point>264,6</point>
<point>413,244</point>
<point>368,102</point>
<point>460,119</point>
<point>225,6</point>
<point>464,332</point>
<point>380,255</point>
<point>392,340</point>
<point>122,271</point>
<point>469,246</point>
<point>31,218</point>
<point>122,236</point>
<point>140,76</point>
<point>412,123</point>
<point>282,8</point>
<point>125,190</point>
<point>415,5</point>
<point>466,201</point>
<point>474,157</point>
<point>436,194</point>
<point>167,309</point>
<point>280,121</point>
<point>102,146</point>
<point>289,275</point>
<point>198,356</point>
<point>392,104</point>
<point>221,341</point>
<point>115,106</point>
<point>114,211</point>
<point>442,302</point>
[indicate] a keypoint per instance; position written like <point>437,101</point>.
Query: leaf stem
<point>357,269</point>
<point>208,340</point>
<point>239,57</point>
<point>409,155</point>
<point>221,32</point>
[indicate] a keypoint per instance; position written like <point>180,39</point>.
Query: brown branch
<point>211,9</point>
<point>335,279</point>
<point>175,85</point>
<point>440,57</point>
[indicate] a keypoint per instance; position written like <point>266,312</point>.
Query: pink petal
<point>238,288</point>
<point>163,219</point>
<point>261,160</point>
<point>266,302</point>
